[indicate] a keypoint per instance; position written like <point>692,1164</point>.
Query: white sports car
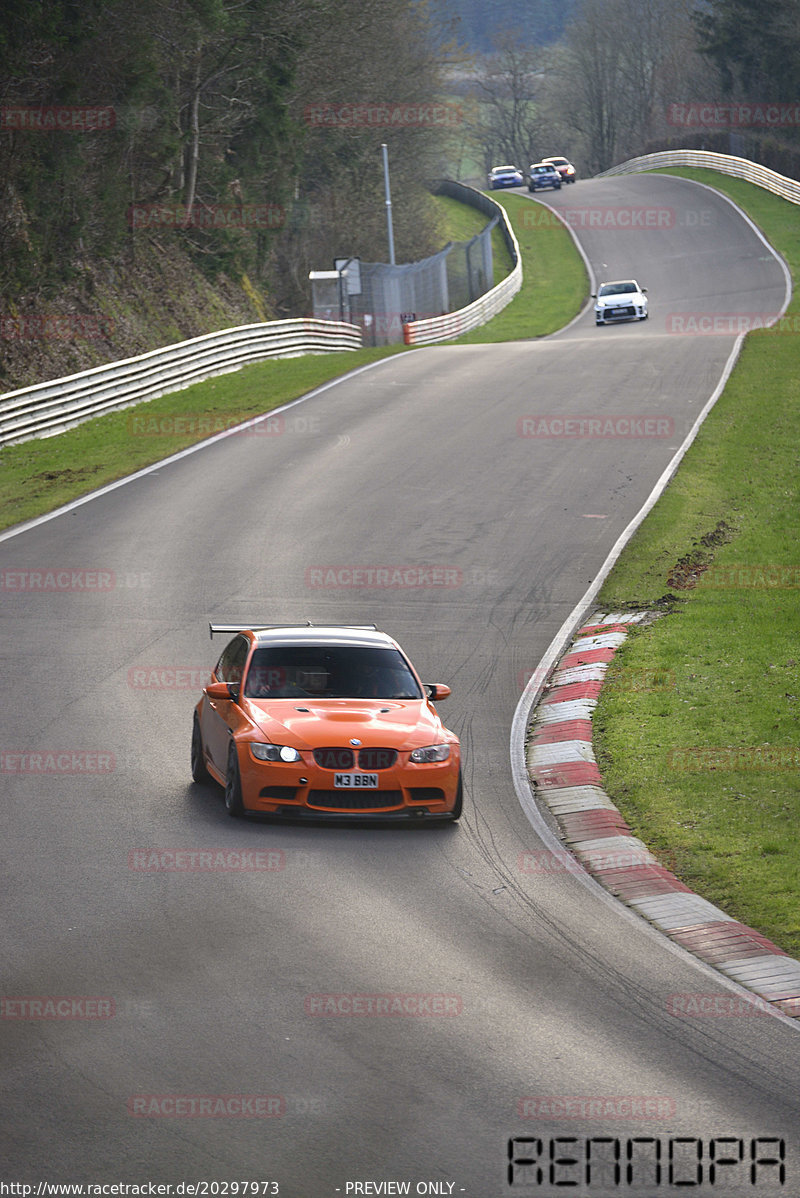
<point>622,300</point>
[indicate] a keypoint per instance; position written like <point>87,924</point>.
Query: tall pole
<point>388,201</point>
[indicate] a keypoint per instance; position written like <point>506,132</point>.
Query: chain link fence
<point>380,298</point>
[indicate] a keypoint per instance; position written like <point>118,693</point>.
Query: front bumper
<point>305,789</point>
<point>619,312</point>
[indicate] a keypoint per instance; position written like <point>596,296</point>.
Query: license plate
<point>355,781</point>
<point>619,311</point>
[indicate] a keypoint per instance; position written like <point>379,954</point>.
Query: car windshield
<point>617,289</point>
<point>329,672</point>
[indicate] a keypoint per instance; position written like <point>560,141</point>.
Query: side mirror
<point>437,691</point>
<point>644,291</point>
<point>222,690</point>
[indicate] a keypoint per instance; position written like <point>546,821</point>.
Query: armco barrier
<point>726,164</point>
<point>50,408</point>
<point>453,324</point>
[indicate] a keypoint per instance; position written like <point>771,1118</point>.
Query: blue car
<point>505,176</point>
<point>544,174</point>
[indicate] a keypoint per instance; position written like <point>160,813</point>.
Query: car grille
<point>376,759</point>
<point>370,760</point>
<point>355,800</point>
<point>334,758</point>
<point>621,310</point>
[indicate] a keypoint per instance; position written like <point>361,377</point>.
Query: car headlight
<point>430,753</point>
<point>274,753</point>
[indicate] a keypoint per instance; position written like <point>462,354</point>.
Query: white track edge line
<point>535,686</point>
<point>190,449</point>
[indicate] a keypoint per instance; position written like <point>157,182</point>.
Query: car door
<point>218,714</point>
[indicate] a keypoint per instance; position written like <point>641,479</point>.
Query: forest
<point>245,135</point>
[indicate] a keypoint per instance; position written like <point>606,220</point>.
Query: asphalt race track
<point>210,978</point>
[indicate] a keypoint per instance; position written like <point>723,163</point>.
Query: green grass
<point>554,285</point>
<point>40,475</point>
<point>706,768</point>
<point>460,222</point>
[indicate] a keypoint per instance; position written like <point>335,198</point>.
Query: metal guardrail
<point>726,164</point>
<point>49,408</point>
<point>453,324</point>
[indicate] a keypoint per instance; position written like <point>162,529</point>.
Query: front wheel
<point>233,785</point>
<point>199,771</point>
<point>458,806</point>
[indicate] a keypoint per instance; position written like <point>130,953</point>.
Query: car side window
<point>230,666</point>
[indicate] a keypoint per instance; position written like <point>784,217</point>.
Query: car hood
<point>619,301</point>
<point>384,723</point>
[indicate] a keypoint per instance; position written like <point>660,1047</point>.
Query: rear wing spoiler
<point>232,629</point>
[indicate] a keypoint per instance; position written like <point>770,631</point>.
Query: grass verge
<point>554,284</point>
<point>705,765</point>
<point>460,222</point>
<point>40,475</point>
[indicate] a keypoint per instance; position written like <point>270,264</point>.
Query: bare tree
<point>623,61</point>
<point>508,91</point>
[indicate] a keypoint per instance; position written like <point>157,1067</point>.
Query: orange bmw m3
<point>307,720</point>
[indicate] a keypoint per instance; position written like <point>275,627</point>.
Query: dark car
<point>505,176</point>
<point>544,174</point>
